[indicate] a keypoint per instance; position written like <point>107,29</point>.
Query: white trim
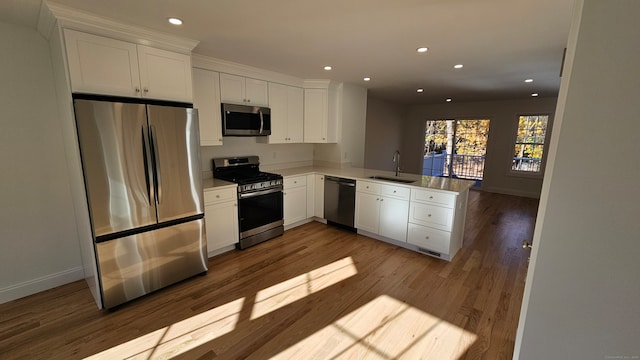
<point>509,191</point>
<point>46,21</point>
<point>70,18</point>
<point>43,283</point>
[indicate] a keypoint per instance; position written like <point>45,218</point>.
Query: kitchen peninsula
<point>425,214</point>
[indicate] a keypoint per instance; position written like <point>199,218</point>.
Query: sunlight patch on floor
<point>180,337</point>
<point>294,289</point>
<point>384,328</point>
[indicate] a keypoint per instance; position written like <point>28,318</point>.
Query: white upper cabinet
<point>286,103</point>
<point>101,65</point>
<point>320,122</point>
<point>165,74</point>
<point>240,90</point>
<point>206,98</point>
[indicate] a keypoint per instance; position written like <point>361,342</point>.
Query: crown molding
<point>46,21</point>
<point>70,18</point>
<point>224,66</point>
<point>317,84</point>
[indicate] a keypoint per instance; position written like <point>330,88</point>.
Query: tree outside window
<point>530,140</point>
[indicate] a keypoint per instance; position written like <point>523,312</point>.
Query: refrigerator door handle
<point>147,174</point>
<point>158,174</point>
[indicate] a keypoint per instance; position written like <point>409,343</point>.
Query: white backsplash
<point>272,156</point>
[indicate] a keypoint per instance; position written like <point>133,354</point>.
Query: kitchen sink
<point>393,179</point>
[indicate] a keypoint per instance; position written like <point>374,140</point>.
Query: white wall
<point>504,119</point>
<point>38,237</point>
<point>385,124</point>
<point>351,114</point>
<point>582,293</point>
<point>354,119</point>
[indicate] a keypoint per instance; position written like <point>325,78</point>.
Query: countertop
<point>210,184</point>
<point>419,181</point>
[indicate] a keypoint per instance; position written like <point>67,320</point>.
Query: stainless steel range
<point>260,203</point>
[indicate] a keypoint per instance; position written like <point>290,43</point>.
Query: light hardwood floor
<point>317,292</point>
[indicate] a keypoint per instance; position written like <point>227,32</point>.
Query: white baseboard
<point>43,283</point>
<point>515,192</point>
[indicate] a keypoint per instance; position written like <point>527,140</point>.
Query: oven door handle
<point>258,193</point>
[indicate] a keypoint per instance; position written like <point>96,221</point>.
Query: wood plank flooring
<point>317,292</point>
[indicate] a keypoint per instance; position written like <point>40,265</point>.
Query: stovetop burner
<point>245,172</point>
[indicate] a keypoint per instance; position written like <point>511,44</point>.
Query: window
<point>530,140</point>
<point>456,148</point>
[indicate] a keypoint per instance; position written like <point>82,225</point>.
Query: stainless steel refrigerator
<point>142,176</point>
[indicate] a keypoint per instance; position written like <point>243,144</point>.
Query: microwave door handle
<point>261,121</point>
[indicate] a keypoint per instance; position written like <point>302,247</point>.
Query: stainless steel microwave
<point>244,120</point>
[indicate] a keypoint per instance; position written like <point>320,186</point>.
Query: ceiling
<point>500,42</point>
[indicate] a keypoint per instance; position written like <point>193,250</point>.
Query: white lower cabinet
<point>436,222</point>
<point>382,209</point>
<point>295,199</point>
<point>429,238</point>
<point>318,203</point>
<point>221,219</point>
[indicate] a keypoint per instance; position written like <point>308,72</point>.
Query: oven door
<point>260,211</point>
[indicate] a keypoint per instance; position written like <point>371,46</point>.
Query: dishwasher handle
<point>341,181</point>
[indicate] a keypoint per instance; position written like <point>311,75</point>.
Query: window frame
<point>545,146</point>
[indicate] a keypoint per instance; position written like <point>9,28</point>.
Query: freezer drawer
<point>136,265</point>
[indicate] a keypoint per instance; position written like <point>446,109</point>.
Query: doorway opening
<point>456,148</point>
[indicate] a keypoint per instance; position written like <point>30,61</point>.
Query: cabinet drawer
<point>440,198</point>
<point>428,238</point>
<point>397,192</point>
<point>431,215</point>
<point>295,181</point>
<point>370,187</point>
<point>217,196</point>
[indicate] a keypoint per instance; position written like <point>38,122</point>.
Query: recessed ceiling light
<point>175,21</point>
<point>422,49</point>
<point>367,79</point>
<point>459,66</point>
<point>328,68</point>
<point>448,100</point>
<point>528,80</point>
<point>420,90</point>
<point>534,94</point>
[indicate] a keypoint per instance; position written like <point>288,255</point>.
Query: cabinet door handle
<point>430,197</point>
<point>429,215</point>
<point>217,196</point>
<point>137,89</point>
<point>426,238</point>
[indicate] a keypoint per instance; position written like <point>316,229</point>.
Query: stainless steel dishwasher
<point>339,201</point>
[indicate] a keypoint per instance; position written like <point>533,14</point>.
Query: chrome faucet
<point>396,159</point>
